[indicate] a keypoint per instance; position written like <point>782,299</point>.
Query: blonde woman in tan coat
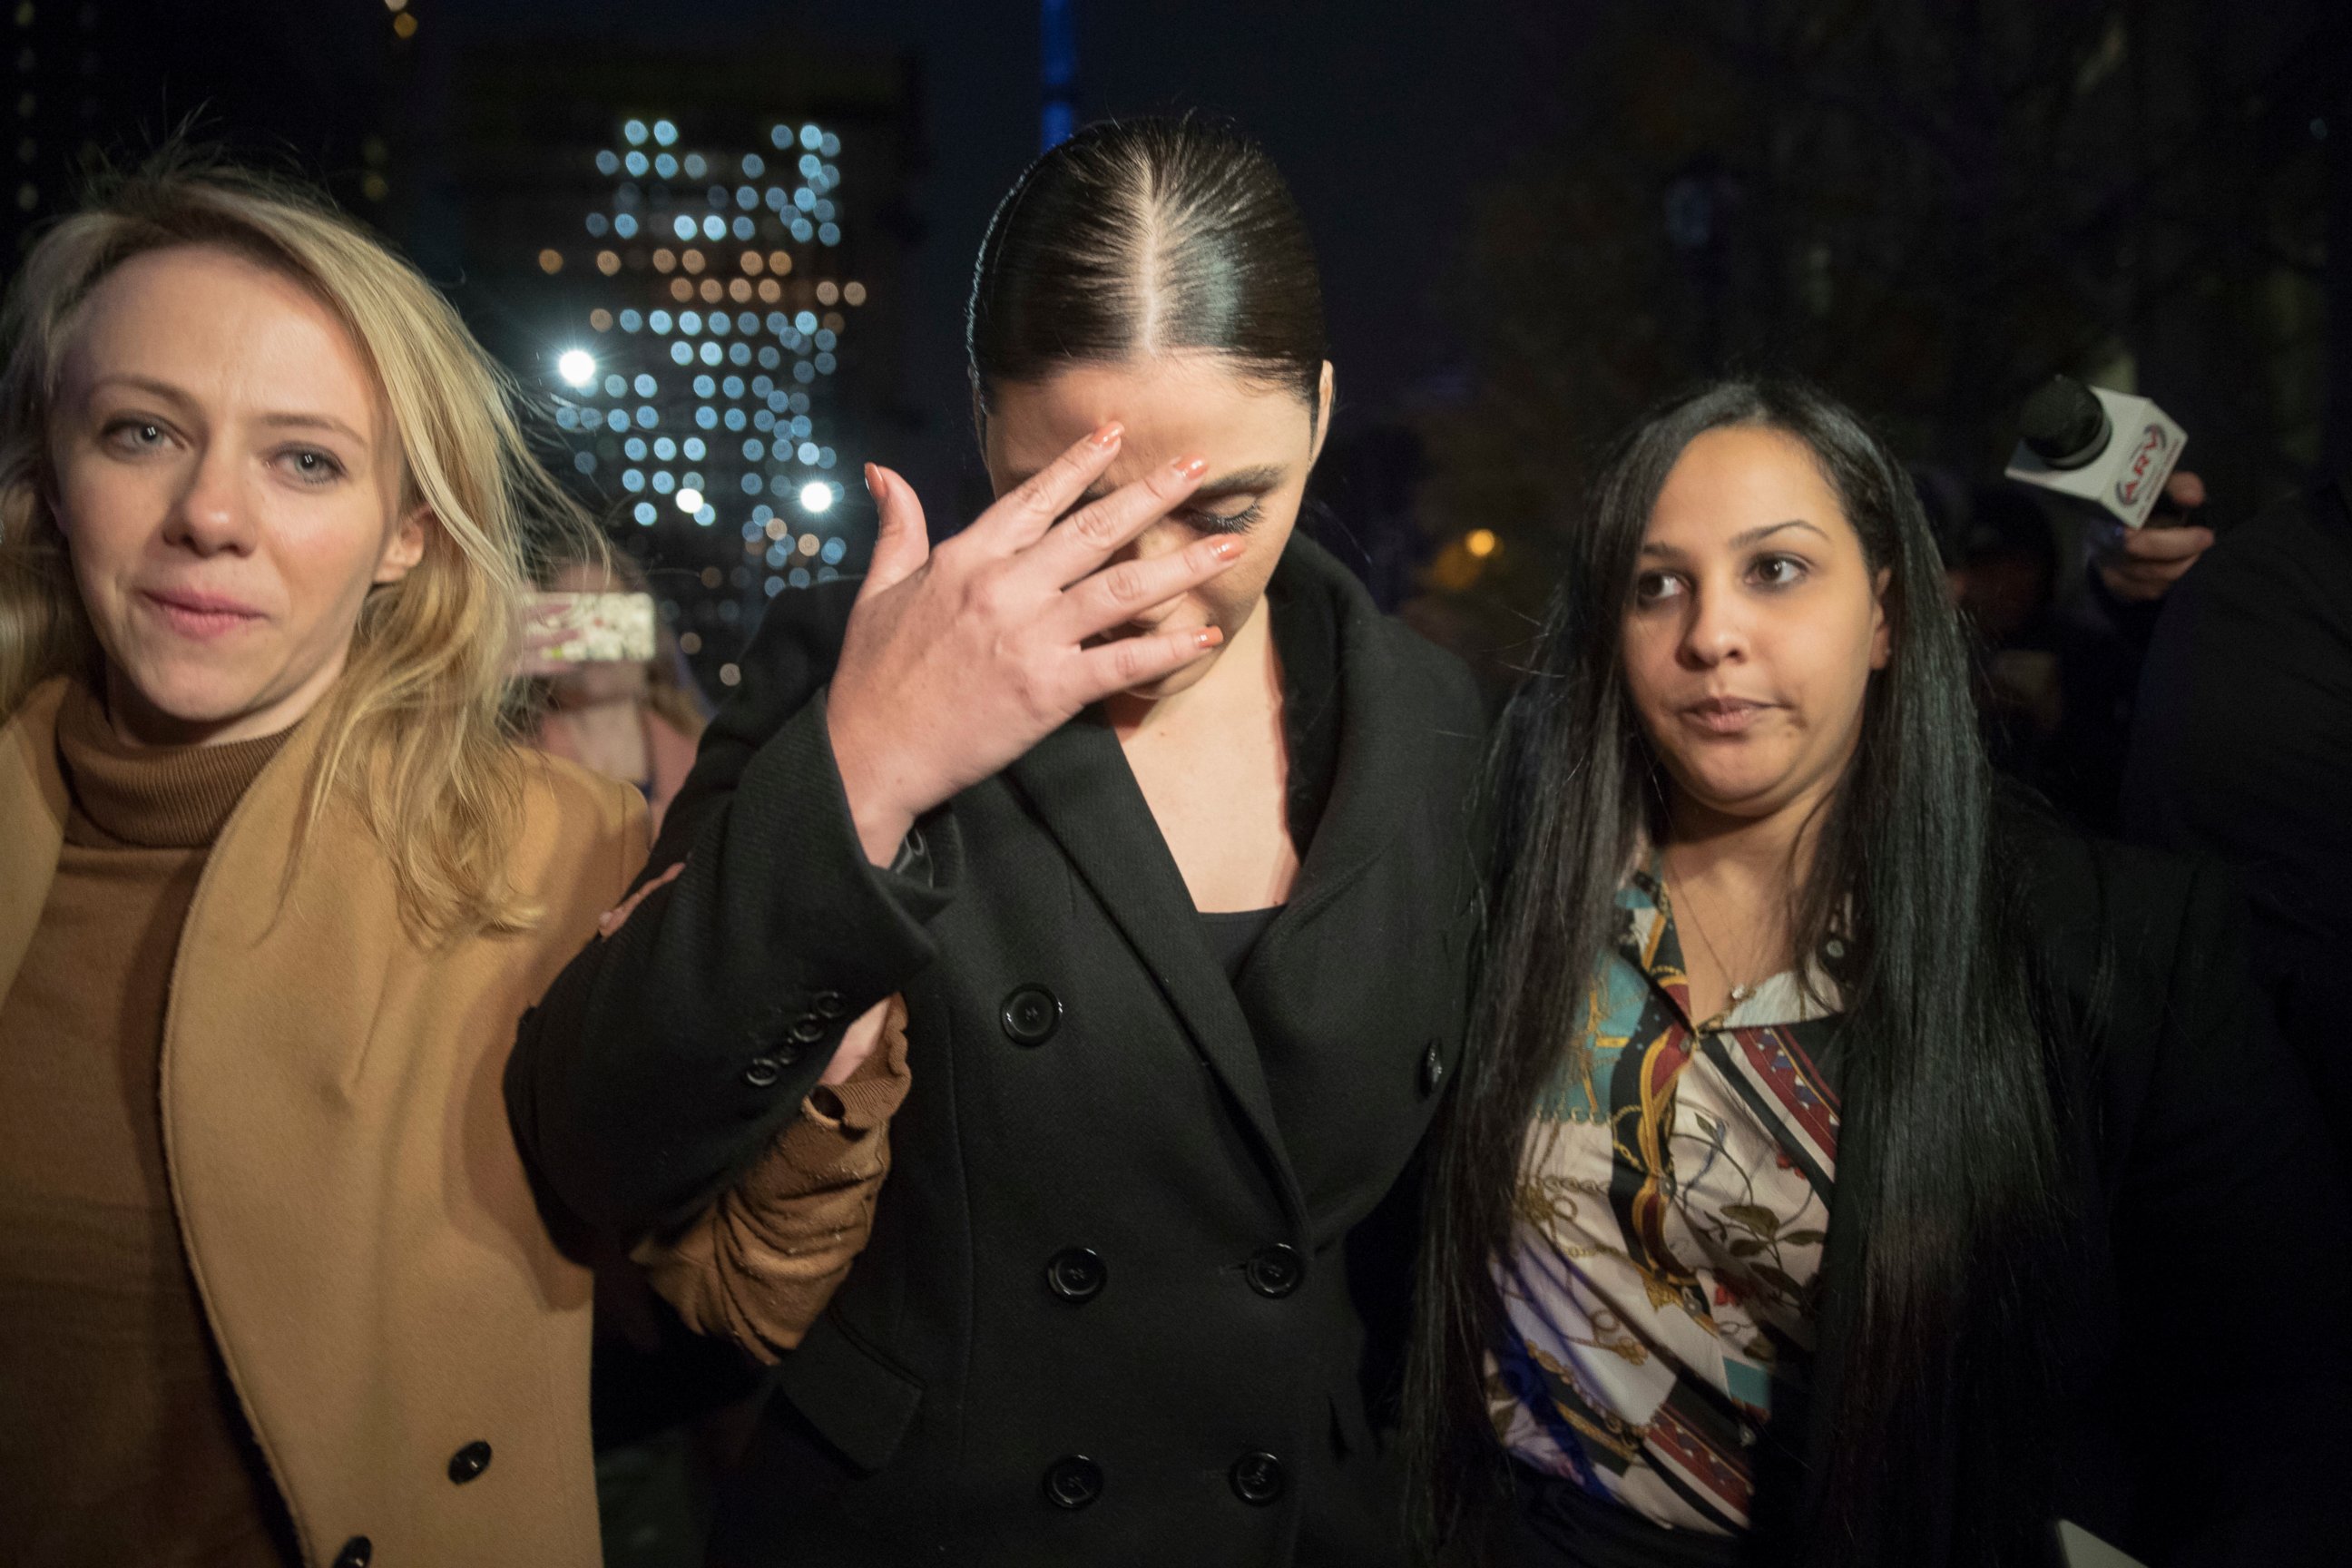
<point>275,886</point>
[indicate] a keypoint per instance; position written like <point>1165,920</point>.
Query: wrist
<point>875,811</point>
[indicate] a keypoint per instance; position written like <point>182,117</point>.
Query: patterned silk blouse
<point>1674,1196</point>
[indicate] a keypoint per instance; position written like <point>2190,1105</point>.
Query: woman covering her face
<point>275,886</point>
<point>1159,827</point>
<point>1853,1170</point>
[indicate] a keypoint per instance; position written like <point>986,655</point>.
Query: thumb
<point>900,544</point>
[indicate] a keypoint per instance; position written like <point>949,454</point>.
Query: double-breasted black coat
<point>1138,1274</point>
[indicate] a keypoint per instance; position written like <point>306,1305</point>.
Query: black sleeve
<point>2233,1253</point>
<point>2240,745</point>
<point>665,1055</point>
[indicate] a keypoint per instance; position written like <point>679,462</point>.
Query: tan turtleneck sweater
<point>121,1440</point>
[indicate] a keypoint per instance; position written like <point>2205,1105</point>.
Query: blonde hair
<point>414,734</point>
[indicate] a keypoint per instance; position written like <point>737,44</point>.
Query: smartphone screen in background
<point>563,629</point>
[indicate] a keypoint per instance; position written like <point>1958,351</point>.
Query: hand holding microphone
<point>2116,453</point>
<point>2140,565</point>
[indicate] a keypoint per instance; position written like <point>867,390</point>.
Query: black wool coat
<point>1139,1269</point>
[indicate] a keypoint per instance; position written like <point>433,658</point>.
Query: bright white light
<point>577,366</point>
<point>816,495</point>
<point>689,499</point>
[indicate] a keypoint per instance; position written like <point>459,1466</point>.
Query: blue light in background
<point>1057,39</point>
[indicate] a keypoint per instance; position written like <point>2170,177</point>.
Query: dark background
<point>1534,218</point>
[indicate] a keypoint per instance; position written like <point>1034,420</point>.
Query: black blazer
<point>2204,1361</point>
<point>1131,1289</point>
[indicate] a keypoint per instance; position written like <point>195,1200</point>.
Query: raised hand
<point>959,660</point>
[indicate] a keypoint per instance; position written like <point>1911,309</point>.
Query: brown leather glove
<point>758,1266</point>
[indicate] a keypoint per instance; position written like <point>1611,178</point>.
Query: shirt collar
<point>1649,940</point>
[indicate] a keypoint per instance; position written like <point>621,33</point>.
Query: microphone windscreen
<point>2062,423</point>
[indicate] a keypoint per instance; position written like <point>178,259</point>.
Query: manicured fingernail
<point>1108,435</point>
<point>1208,636</point>
<point>873,485</point>
<point>1228,549</point>
<point>1190,467</point>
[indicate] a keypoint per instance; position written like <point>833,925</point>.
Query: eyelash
<point>1241,522</point>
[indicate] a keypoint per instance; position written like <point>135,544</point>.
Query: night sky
<point>1490,183</point>
<point>1377,113</point>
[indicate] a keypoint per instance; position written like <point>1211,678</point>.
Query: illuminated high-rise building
<point>700,381</point>
<point>690,255</point>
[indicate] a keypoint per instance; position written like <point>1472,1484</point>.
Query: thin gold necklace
<point>1740,990</point>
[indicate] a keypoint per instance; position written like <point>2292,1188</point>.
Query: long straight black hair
<point>1950,1215</point>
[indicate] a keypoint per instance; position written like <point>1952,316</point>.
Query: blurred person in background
<point>2056,666</point>
<point>672,1401</point>
<point>2242,750</point>
<point>276,883</point>
<point>631,721</point>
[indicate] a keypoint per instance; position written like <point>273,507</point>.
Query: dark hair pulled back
<point>1146,236</point>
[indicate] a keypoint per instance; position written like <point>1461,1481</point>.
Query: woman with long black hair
<point>1849,1171</point>
<point>1159,827</point>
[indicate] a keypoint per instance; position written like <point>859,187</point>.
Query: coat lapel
<point>33,808</point>
<point>260,915</point>
<point>1378,761</point>
<point>1077,781</point>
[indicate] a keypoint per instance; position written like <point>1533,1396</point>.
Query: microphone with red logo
<point>2110,448</point>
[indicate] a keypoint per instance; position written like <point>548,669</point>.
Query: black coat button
<point>1258,1479</point>
<point>1072,1481</point>
<point>1031,1015</point>
<point>468,1462</point>
<point>762,1072</point>
<point>807,1029</point>
<point>357,1552</point>
<point>1433,1070</point>
<point>1276,1270</point>
<point>828,1004</point>
<point>1076,1274</point>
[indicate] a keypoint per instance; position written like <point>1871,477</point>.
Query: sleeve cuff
<point>869,1096</point>
<point>849,931</point>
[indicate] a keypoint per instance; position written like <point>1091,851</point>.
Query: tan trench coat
<point>375,1271</point>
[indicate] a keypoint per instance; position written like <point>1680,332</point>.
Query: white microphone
<point>2109,449</point>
